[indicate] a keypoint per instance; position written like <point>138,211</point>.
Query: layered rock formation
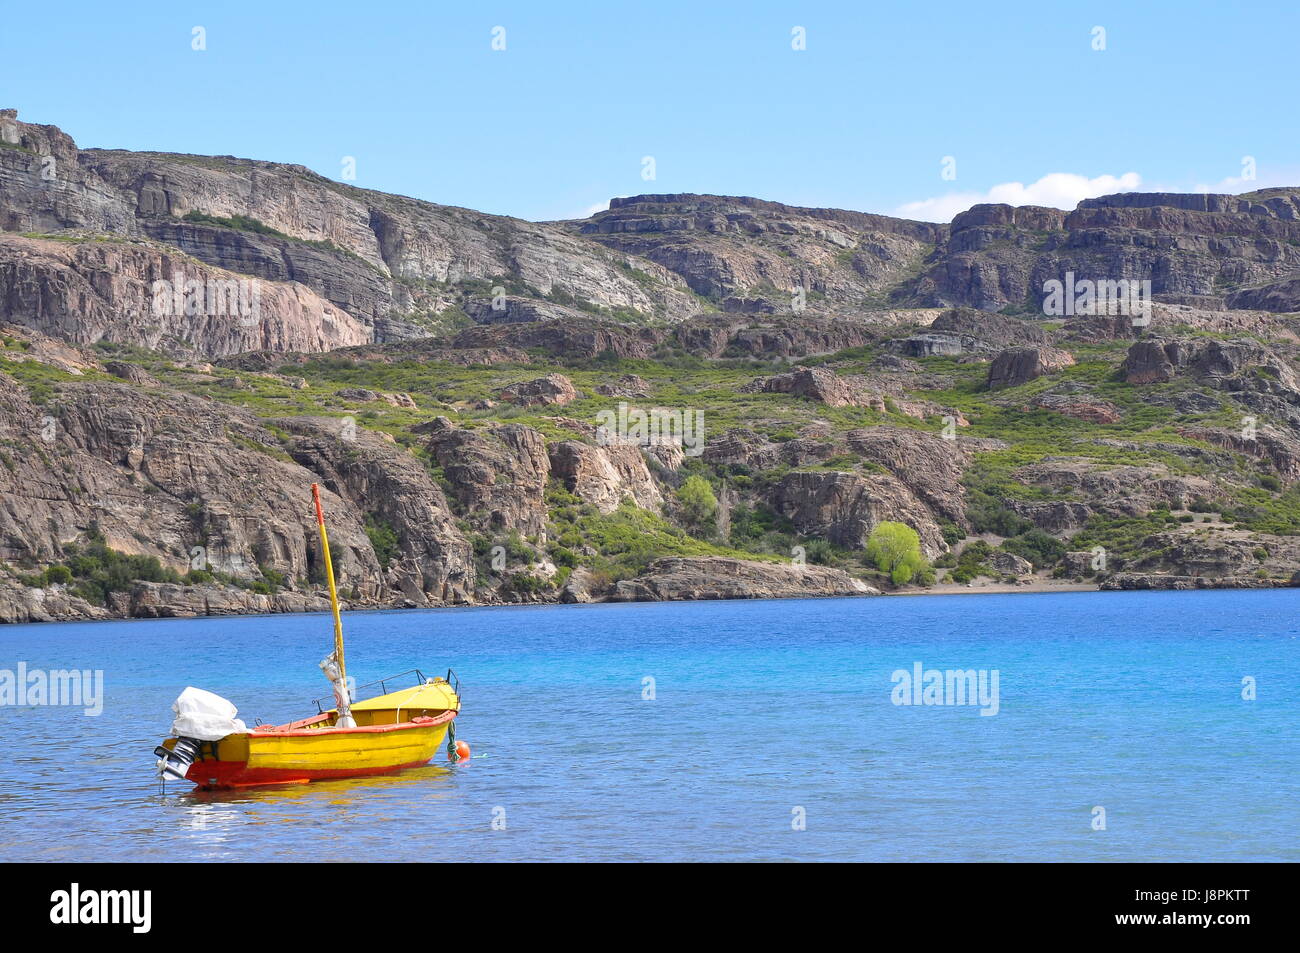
<point>384,263</point>
<point>726,246</point>
<point>1020,365</point>
<point>964,331</point>
<point>1210,249</point>
<point>551,389</point>
<point>605,476</point>
<point>845,507</point>
<point>151,296</point>
<point>832,356</point>
<point>706,577</point>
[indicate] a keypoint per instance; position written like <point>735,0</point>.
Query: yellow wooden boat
<point>380,735</point>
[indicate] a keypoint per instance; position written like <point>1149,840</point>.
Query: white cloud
<point>593,209</point>
<point>1056,190</point>
<point>1233,185</point>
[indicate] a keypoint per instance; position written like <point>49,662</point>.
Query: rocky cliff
<point>1234,251</point>
<point>685,396</point>
<point>394,265</point>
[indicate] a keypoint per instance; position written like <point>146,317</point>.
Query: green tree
<point>896,549</point>
<point>699,505</point>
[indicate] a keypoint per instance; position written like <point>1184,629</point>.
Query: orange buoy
<point>462,751</point>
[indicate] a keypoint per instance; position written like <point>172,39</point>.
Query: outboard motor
<point>176,762</point>
<point>201,717</point>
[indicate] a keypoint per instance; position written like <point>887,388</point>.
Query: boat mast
<point>340,683</point>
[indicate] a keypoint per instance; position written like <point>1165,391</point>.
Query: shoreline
<point>999,588</point>
<point>952,589</point>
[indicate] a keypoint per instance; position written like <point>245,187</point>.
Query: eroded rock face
<point>1020,365</point>
<point>814,383</point>
<point>158,473</point>
<point>1166,581</point>
<point>967,331</point>
<point>434,563</point>
<point>1187,246</point>
<point>845,507</point>
<point>512,309</point>
<point>20,604</point>
<point>497,475</point>
<point>1281,296</point>
<point>379,259</point>
<point>1054,516</point>
<point>789,335</point>
<point>1079,564</point>
<point>1080,405</point>
<point>398,236</point>
<point>92,291</point>
<point>1280,450</point>
<point>1009,563</point>
<point>74,198</point>
<point>44,349</point>
<point>928,465</point>
<point>717,577</point>
<point>131,373</point>
<point>755,451</point>
<point>723,246</point>
<point>1224,364</point>
<point>1153,362</point>
<point>1191,555</point>
<point>604,476</point>
<point>551,389</point>
<point>1117,491</point>
<point>390,263</point>
<point>566,340</point>
<point>155,600</point>
<point>361,290</point>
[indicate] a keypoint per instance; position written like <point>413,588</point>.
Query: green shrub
<point>1040,548</point>
<point>272,578</point>
<point>952,533</point>
<point>819,552</point>
<point>988,514</point>
<point>895,548</point>
<point>99,570</point>
<point>970,564</point>
<point>699,505</point>
<point>383,539</point>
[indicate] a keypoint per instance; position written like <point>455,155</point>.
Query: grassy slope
<point>625,541</point>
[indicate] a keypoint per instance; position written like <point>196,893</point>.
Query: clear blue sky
<point>560,120</point>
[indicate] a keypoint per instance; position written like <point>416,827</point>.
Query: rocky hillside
<point>468,389</point>
<point>1212,251</point>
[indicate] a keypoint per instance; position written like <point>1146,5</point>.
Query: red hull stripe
<point>237,774</point>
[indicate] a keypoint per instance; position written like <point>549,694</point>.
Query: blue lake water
<point>763,712</point>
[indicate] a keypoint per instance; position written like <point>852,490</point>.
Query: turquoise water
<point>1127,701</point>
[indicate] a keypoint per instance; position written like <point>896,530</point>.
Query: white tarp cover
<point>205,716</point>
